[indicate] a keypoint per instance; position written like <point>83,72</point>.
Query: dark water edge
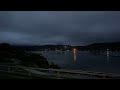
<point>85,61</point>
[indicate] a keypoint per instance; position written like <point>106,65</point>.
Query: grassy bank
<point>6,75</point>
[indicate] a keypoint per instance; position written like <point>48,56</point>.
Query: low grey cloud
<point>59,27</point>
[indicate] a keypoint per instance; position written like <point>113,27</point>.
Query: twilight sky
<point>59,27</point>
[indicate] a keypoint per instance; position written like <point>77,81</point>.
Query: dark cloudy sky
<point>59,27</point>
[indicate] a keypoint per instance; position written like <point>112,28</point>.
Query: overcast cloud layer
<point>59,27</point>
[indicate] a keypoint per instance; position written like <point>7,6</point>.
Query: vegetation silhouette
<point>25,58</point>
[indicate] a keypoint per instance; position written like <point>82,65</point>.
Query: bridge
<point>57,73</point>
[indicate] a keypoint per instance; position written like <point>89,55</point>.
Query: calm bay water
<point>85,60</point>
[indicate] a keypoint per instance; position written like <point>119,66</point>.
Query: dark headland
<point>12,55</point>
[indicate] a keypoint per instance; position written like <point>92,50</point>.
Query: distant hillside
<point>100,46</point>
<point>104,46</point>
<point>43,47</point>
<point>95,46</point>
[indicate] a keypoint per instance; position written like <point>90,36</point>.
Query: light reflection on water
<point>108,56</point>
<point>75,55</point>
<point>84,60</point>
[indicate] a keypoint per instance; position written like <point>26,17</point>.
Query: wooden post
<point>58,74</point>
<point>49,71</point>
<point>104,76</point>
<point>8,69</point>
<point>13,70</point>
<point>29,71</point>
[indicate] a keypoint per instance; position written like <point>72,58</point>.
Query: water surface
<point>85,60</point>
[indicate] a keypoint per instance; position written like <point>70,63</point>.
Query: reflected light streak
<point>108,55</point>
<point>75,54</point>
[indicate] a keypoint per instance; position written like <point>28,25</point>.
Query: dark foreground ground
<point>6,75</point>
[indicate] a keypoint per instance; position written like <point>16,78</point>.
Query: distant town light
<point>74,49</point>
